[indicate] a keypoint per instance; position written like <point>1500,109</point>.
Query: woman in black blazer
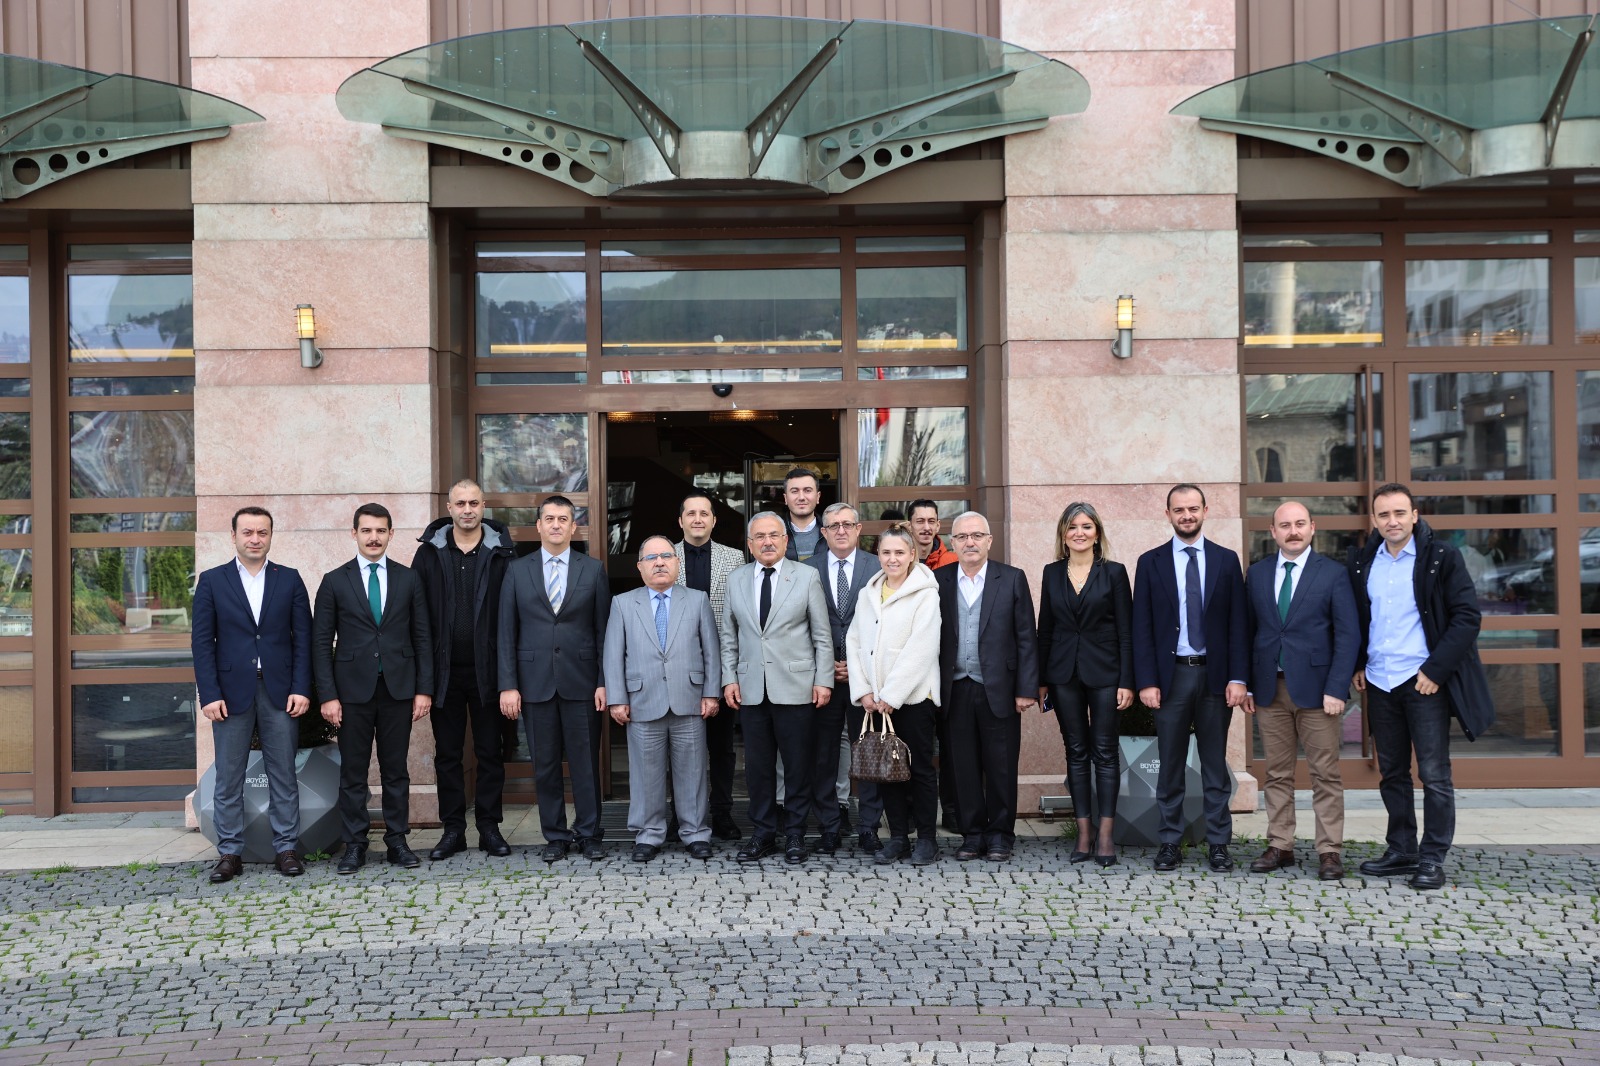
<point>1086,666</point>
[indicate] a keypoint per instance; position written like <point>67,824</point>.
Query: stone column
<point>1124,198</point>
<point>310,208</point>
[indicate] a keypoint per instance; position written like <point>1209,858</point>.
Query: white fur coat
<point>892,648</point>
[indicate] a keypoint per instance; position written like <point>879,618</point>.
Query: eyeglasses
<point>767,538</point>
<point>968,538</point>
<point>656,555</point>
<point>840,527</point>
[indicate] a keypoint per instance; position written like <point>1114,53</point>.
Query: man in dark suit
<point>989,676</point>
<point>376,682</point>
<point>252,665</point>
<point>1303,644</point>
<point>844,569</point>
<point>1191,654</point>
<point>553,612</point>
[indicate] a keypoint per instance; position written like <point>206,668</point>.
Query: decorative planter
<point>1138,818</point>
<point>317,772</point>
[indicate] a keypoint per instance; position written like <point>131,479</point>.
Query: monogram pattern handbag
<point>879,754</point>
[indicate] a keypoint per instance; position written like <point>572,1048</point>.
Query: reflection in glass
<point>951,243</point>
<point>181,658</point>
<point>522,249</point>
<point>1589,433</point>
<point>132,454</point>
<point>132,590</point>
<point>1490,425</point>
<point>1437,505</point>
<point>911,309</point>
<point>1313,304</point>
<point>133,727</point>
<point>1473,302</point>
<point>1591,708</point>
<point>16,592</point>
<point>1495,639</point>
<point>913,445</point>
<point>1512,570</point>
<point>1312,240</point>
<point>14,328</point>
<point>87,253</point>
<point>533,453</point>
<point>531,314</point>
<point>703,376</point>
<point>911,373</point>
<point>16,469</point>
<point>562,377</point>
<point>13,388</point>
<point>768,246</point>
<point>1527,705</point>
<point>720,312</point>
<point>1308,427</point>
<point>900,510</point>
<point>134,522</point>
<point>136,317</point>
<point>16,730</point>
<point>529,516</point>
<point>1586,285</point>
<point>1476,237</point>
<point>1336,544</point>
<point>1319,506</point>
<point>174,386</point>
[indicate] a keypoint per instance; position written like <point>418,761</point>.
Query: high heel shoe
<point>1080,856</point>
<point>1106,860</point>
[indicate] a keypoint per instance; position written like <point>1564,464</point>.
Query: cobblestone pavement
<point>478,957</point>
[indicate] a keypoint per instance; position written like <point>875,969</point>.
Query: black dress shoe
<point>756,849</point>
<point>227,868</point>
<point>700,849</point>
<point>896,849</point>
<point>998,853</point>
<point>1429,875</point>
<point>1106,860</point>
<point>490,841</point>
<point>1390,864</point>
<point>645,852</point>
<point>454,842</point>
<point>869,843</point>
<point>971,848</point>
<point>1080,856</point>
<point>844,818</point>
<point>400,855</point>
<point>829,844</point>
<point>1168,857</point>
<point>288,864</point>
<point>555,851</point>
<point>1219,858</point>
<point>593,850</point>
<point>355,857</point>
<point>794,850</point>
<point>723,827</point>
<point>926,853</point>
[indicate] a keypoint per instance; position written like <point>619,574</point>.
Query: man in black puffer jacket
<point>462,562</point>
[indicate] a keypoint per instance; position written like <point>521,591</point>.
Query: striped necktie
<point>552,587</point>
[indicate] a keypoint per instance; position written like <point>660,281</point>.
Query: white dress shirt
<point>777,571</point>
<point>971,587</point>
<point>383,577</point>
<point>255,586</point>
<point>1180,567</point>
<point>563,570</point>
<point>1280,573</point>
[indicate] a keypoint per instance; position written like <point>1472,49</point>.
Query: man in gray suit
<point>663,667</point>
<point>777,667</point>
<point>553,611</point>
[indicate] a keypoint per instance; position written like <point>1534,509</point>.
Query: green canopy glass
<point>1481,104</point>
<point>58,121</point>
<point>713,104</point>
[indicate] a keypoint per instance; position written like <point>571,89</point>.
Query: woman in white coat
<point>892,651</point>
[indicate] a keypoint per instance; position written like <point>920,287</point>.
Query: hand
<point>215,712</point>
<point>333,712</point>
<point>1235,694</point>
<point>511,704</point>
<point>420,706</point>
<point>1249,704</point>
<point>1332,705</point>
<point>730,693</point>
<point>841,670</point>
<point>1124,698</point>
<point>1151,697</point>
<point>1425,685</point>
<point>709,707</point>
<point>1359,681</point>
<point>619,713</point>
<point>820,695</point>
<point>1044,694</point>
<point>1024,702</point>
<point>298,705</point>
<point>600,700</point>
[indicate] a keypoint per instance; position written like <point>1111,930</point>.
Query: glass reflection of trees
<point>1313,304</point>
<point>913,446</point>
<point>526,453</point>
<point>130,317</point>
<point>531,314</point>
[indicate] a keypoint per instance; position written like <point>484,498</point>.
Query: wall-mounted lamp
<point>1122,347</point>
<point>305,324</point>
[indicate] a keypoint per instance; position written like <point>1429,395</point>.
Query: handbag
<point>879,754</point>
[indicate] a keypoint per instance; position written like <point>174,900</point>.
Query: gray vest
<point>967,637</point>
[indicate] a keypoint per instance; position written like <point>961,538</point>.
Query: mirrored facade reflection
<point>130,317</point>
<point>1481,426</point>
<point>1309,304</point>
<point>913,446</point>
<point>1310,427</point>
<point>911,309</point>
<point>1477,302</point>
<point>132,589</point>
<point>531,314</point>
<point>133,727</point>
<point>1527,701</point>
<point>533,453</point>
<point>132,454</point>
<point>720,312</point>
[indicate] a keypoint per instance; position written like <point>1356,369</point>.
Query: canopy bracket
<point>666,133</point>
<point>766,125</point>
<point>1387,157</point>
<point>1556,108</point>
<point>1450,140</point>
<point>17,122</point>
<point>23,172</point>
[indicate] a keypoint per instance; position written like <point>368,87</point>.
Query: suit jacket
<point>653,681</point>
<point>839,620</point>
<point>1008,651</point>
<point>227,640</point>
<point>781,662</point>
<point>724,561</point>
<point>1086,636</point>
<point>545,654</point>
<point>1317,641</point>
<point>400,650</point>
<point>1155,619</point>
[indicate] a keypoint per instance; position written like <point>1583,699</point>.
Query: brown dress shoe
<point>1330,867</point>
<point>289,864</point>
<point>1272,859</point>
<point>227,868</point>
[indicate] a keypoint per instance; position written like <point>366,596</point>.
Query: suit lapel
<point>358,581</point>
<point>269,589</point>
<point>1167,576</point>
<point>1209,582</point>
<point>232,580</point>
<point>780,592</point>
<point>395,590</point>
<point>675,614</point>
<point>991,582</point>
<point>1308,571</point>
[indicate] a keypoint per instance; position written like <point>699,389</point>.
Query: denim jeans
<point>1405,721</point>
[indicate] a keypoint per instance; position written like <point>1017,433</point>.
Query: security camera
<point>722,389</point>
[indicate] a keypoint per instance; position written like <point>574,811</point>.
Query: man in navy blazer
<point>1191,654</point>
<point>1304,637</point>
<point>252,665</point>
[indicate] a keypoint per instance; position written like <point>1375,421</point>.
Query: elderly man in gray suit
<point>663,667</point>
<point>777,668</point>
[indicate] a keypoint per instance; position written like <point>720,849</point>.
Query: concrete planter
<point>1138,820</point>
<point>316,770</point>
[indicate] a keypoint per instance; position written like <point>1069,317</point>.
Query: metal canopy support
<point>1551,119</point>
<point>1386,157</point>
<point>15,123</point>
<point>25,172</point>
<point>538,158</point>
<point>892,155</point>
<point>1451,140</point>
<point>666,134</point>
<point>772,117</point>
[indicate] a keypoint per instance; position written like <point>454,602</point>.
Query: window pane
<point>1335,544</point>
<point>124,318</point>
<point>132,590</point>
<point>1486,426</point>
<point>774,246</point>
<point>1307,427</point>
<point>134,522</point>
<point>900,510</point>
<point>84,253</point>
<point>16,594</point>
<point>132,658</point>
<point>1527,714</point>
<point>1589,432</point>
<point>911,309</point>
<point>951,243</point>
<point>1437,505</point>
<point>720,312</point>
<point>131,793</point>
<point>16,470</point>
<point>174,386</point>
<point>1473,302</point>
<point>133,727</point>
<point>704,376</point>
<point>122,454</point>
<point>1313,240</point>
<point>910,373</point>
<point>1591,708</point>
<point>913,445</point>
<point>1476,237</point>
<point>16,730</point>
<point>1586,285</point>
<point>527,249</point>
<point>14,328</point>
<point>531,314</point>
<point>1313,304</point>
<point>1319,506</point>
<point>564,377</point>
<point>1512,570</point>
<point>533,453</point>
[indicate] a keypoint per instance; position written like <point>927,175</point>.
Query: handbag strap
<point>866,724</point>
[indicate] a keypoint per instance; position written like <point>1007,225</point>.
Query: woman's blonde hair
<point>903,532</point>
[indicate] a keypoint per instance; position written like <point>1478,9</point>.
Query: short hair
<point>899,531</point>
<point>654,536</point>
<point>559,501</point>
<point>834,508</point>
<point>892,514</point>
<point>1102,546</point>
<point>1394,488</point>
<point>972,514</point>
<point>465,482</point>
<point>1186,487</point>
<point>376,510</point>
<point>252,509</point>
<point>683,504</point>
<point>800,472</point>
<point>750,525</point>
<point>917,505</point>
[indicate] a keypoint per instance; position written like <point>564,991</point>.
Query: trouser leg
<point>1104,751</point>
<point>449,723</point>
<point>792,730</point>
<point>868,793</point>
<point>1072,718</point>
<point>827,726</point>
<point>1391,740</point>
<point>280,738</point>
<point>489,791</point>
<point>1429,721</point>
<point>918,727</point>
<point>760,770</point>
<point>1320,735</point>
<point>545,742</point>
<point>962,749</point>
<point>1175,721</point>
<point>720,759</point>
<point>647,780</point>
<point>690,786</point>
<point>580,732</point>
<point>999,747</point>
<point>1212,716</point>
<point>393,732</point>
<point>1276,721</point>
<point>230,738</point>
<point>356,730</point>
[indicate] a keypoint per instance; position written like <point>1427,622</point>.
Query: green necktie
<point>374,594</point>
<point>1286,591</point>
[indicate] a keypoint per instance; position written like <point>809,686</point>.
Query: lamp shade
<point>305,322</point>
<point>1124,312</point>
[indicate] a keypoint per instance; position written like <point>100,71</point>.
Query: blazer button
<point>375,655</point>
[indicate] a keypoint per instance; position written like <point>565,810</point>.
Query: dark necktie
<point>766,593</point>
<point>841,590</point>
<point>1193,608</point>
<point>374,594</point>
<point>1286,592</point>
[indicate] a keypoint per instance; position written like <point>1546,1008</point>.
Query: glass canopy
<point>713,104</point>
<point>58,121</point>
<point>1477,104</point>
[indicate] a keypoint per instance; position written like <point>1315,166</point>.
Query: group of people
<point>813,641</point>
